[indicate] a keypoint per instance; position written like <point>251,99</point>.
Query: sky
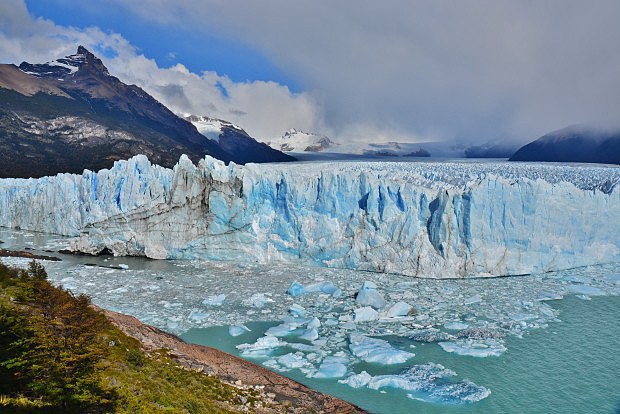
<point>471,71</point>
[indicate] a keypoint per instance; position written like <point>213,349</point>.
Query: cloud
<point>409,70</point>
<point>264,109</point>
<point>479,68</point>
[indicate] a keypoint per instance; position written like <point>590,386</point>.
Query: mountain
<point>71,114</point>
<point>235,140</point>
<point>573,144</point>
<point>294,140</point>
<point>491,150</point>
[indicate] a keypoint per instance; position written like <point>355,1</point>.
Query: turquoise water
<point>570,366</point>
<point>573,366</point>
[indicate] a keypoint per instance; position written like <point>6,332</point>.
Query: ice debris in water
<point>431,382</point>
<point>357,380</point>
<point>508,306</point>
<point>258,300</point>
<point>297,289</point>
<point>398,309</point>
<point>331,367</point>
<point>476,348</point>
<point>288,362</point>
<point>214,300</point>
<point>236,330</point>
<point>376,350</point>
<point>369,296</point>
<point>455,326</point>
<point>586,290</point>
<point>365,314</point>
<point>263,346</point>
<point>429,335</point>
<point>297,310</point>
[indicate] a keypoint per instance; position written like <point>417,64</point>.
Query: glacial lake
<point>551,341</point>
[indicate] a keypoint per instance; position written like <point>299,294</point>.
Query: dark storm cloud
<point>450,69</point>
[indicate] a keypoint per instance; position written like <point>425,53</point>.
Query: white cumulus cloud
<point>264,109</point>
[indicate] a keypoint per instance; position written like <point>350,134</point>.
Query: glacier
<point>427,219</point>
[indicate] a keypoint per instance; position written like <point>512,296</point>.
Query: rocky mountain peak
<point>82,61</point>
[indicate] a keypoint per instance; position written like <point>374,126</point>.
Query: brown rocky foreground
<point>287,395</point>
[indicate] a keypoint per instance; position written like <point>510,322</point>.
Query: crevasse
<point>420,219</point>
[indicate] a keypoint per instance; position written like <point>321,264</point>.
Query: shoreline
<point>287,394</point>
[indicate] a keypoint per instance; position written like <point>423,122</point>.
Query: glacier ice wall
<point>422,219</point>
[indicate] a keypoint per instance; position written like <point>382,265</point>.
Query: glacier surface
<point>428,219</point>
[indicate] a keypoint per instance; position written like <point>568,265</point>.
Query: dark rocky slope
<point>573,144</point>
<point>71,114</point>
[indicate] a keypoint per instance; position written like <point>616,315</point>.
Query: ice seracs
<point>440,220</point>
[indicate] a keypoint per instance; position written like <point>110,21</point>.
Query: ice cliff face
<point>422,219</point>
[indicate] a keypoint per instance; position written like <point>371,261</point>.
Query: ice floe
<point>214,300</point>
<point>475,348</point>
<point>368,295</point>
<point>431,382</point>
<point>376,350</point>
<point>236,330</point>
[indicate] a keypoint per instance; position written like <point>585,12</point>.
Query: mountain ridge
<point>578,143</point>
<point>72,114</point>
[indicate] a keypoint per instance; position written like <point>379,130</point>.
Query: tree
<point>53,344</point>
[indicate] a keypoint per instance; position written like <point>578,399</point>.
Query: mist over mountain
<point>573,144</point>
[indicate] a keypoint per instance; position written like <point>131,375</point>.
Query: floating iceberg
<point>214,300</point>
<point>475,348</point>
<point>297,289</point>
<point>293,361</point>
<point>331,367</point>
<point>357,380</point>
<point>258,300</point>
<point>369,296</point>
<point>432,382</point>
<point>398,309</point>
<point>236,330</point>
<point>376,350</point>
<point>456,326</point>
<point>297,310</point>
<point>365,314</point>
<point>263,346</point>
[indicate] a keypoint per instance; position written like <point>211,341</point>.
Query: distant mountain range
<point>235,140</point>
<point>573,144</point>
<point>317,146</point>
<point>71,114</point>
<point>295,140</point>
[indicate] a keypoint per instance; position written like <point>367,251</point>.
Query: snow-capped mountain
<point>62,68</point>
<point>573,144</point>
<point>310,146</point>
<point>295,140</point>
<point>235,140</point>
<point>71,114</point>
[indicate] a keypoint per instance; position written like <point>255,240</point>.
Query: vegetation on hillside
<point>57,354</point>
